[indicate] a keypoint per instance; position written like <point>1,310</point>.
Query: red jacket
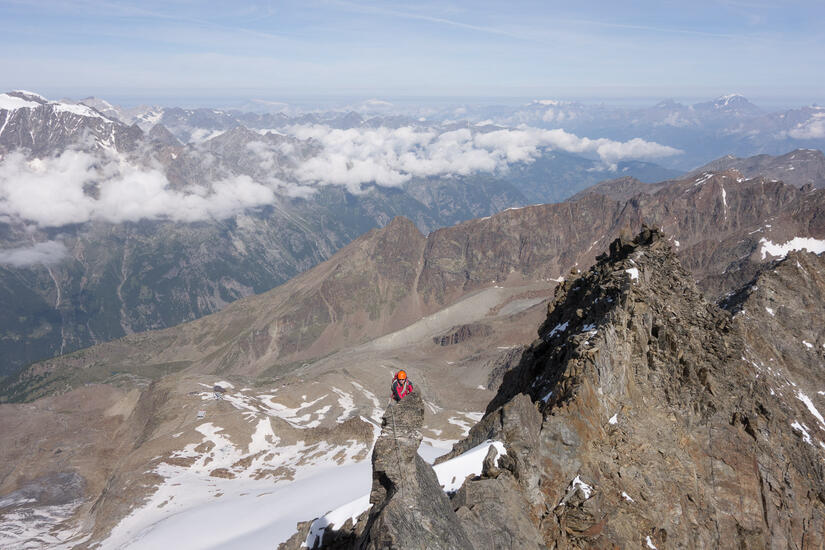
<point>400,390</point>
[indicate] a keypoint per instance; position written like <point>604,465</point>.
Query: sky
<point>174,49</point>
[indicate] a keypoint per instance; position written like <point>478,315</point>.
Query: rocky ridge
<point>645,416</point>
<point>799,167</point>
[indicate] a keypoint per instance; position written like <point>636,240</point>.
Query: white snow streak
<point>811,408</point>
<point>804,429</point>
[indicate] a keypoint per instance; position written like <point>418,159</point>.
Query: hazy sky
<point>278,49</point>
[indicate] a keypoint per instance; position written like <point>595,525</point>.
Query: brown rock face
<point>660,418</point>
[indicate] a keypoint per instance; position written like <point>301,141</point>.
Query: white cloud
<point>57,191</point>
<point>813,128</point>
<point>390,157</point>
<point>76,187</point>
<point>45,253</point>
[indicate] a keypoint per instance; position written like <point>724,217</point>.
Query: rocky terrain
<point>644,416</point>
<point>800,167</point>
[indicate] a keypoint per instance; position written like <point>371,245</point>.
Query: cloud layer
<point>45,253</point>
<point>813,128</point>
<point>390,157</point>
<point>76,187</point>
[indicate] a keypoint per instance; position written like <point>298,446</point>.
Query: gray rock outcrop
<point>409,508</point>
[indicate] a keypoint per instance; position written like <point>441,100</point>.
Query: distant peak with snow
<point>733,103</point>
<point>22,99</point>
<point>29,96</point>
<point>549,102</point>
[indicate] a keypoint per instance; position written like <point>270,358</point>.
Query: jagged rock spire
<point>656,426</point>
<point>409,508</point>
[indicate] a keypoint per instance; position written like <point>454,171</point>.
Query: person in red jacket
<point>401,386</point>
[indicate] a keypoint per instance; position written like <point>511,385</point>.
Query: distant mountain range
<point>729,124</point>
<point>114,221</point>
<point>108,228</point>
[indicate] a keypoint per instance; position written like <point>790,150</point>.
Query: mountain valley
<point>183,368</point>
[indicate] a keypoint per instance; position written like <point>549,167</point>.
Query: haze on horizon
<point>162,51</point>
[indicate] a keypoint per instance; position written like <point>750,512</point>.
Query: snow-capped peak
<point>78,109</point>
<point>728,98</point>
<point>31,96</point>
<point>10,102</point>
<point>22,99</point>
<point>548,102</point>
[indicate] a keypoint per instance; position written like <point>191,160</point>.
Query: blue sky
<point>282,49</point>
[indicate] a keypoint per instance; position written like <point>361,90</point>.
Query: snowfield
<point>201,512</point>
<point>817,246</point>
<point>224,514</point>
<point>246,510</point>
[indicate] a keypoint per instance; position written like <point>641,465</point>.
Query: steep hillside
<point>722,225</point>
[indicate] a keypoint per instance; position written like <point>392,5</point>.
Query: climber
<point>401,386</point>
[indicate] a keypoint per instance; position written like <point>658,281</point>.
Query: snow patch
<point>79,110</point>
<point>471,419</point>
<point>804,430</point>
<point>452,473</point>
<point>336,519</point>
<point>561,327</point>
<point>346,403</point>
<point>12,103</point>
<point>649,543</point>
<point>811,408</point>
<point>586,489</point>
<point>614,419</point>
<point>817,246</point>
<point>633,272</point>
<point>627,497</point>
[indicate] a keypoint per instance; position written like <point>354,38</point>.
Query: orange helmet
<point>401,375</point>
